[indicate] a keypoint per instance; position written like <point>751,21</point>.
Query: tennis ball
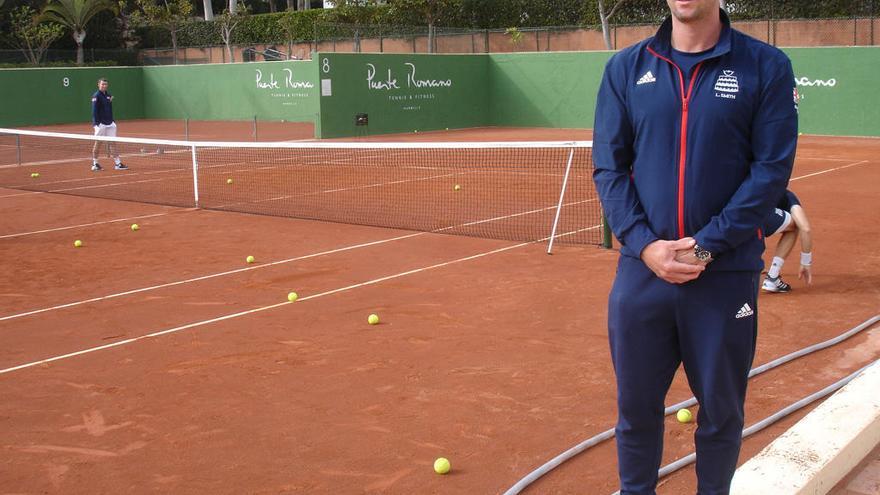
<point>373,319</point>
<point>135,227</point>
<point>229,181</point>
<point>441,465</point>
<point>456,187</point>
<point>77,243</point>
<point>250,259</point>
<point>800,134</point>
<point>292,296</point>
<point>684,416</point>
<point>416,130</point>
<point>34,175</point>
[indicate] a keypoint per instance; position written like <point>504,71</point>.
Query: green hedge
<point>400,16</point>
<point>262,28</point>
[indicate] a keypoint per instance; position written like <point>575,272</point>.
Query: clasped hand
<point>673,261</point>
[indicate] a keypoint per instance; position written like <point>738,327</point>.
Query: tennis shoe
<point>120,166</point>
<point>96,167</point>
<point>775,285</point>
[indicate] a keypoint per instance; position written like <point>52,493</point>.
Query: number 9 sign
<point>65,82</point>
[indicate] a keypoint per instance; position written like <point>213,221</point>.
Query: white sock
<point>94,161</point>
<point>117,160</point>
<point>775,267</point>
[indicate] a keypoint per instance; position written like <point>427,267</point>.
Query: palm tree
<point>75,15</point>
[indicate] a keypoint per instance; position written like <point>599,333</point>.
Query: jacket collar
<point>662,42</point>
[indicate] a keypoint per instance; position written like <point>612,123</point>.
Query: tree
<point>606,30</point>
<point>170,14</point>
<point>292,26</point>
<point>228,21</point>
<point>432,11</point>
<point>75,15</point>
<point>31,36</point>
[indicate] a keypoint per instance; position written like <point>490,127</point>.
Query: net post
<point>186,129</point>
<point>18,149</point>
<point>255,128</point>
<point>559,205</point>
<point>606,232</point>
<point>195,176</point>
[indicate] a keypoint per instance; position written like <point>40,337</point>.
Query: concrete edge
<point>822,448</point>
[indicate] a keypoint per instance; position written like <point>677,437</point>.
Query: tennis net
<point>499,190</point>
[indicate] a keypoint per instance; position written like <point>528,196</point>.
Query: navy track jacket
<point>102,108</point>
<point>706,155</point>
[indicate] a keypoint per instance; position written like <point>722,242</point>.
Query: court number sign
<point>325,65</point>
<point>65,82</point>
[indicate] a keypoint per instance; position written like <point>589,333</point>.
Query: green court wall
<point>838,90</point>
<point>266,90</point>
<point>401,93</point>
<point>837,87</point>
<point>64,95</point>
<point>553,89</point>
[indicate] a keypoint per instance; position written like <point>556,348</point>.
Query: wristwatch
<point>702,254</point>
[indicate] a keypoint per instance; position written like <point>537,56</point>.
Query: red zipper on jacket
<point>682,154</point>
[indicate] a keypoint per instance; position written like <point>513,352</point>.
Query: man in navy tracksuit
<point>102,121</point>
<point>695,137</point>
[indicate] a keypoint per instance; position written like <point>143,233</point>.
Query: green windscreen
<point>401,93</point>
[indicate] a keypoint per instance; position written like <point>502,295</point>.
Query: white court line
<point>22,194</point>
<point>82,225</point>
<point>298,258</point>
<point>278,305</point>
<point>829,170</point>
<point>206,277</point>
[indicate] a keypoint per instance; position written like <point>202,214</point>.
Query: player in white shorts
<point>102,120</point>
<point>790,220</point>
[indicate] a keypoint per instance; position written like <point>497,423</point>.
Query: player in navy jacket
<point>694,141</point>
<point>102,121</point>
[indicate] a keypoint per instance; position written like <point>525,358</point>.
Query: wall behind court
<point>837,87</point>
<point>554,89</point>
<point>267,90</point>
<point>401,93</point>
<point>61,95</point>
<point>838,90</point>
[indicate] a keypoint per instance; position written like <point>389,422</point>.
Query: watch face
<point>701,254</point>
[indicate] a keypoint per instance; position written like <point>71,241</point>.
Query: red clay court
<point>159,361</point>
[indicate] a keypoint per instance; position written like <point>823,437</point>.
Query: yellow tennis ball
<point>229,181</point>
<point>373,319</point>
<point>684,416</point>
<point>250,259</point>
<point>292,296</point>
<point>36,174</point>
<point>77,243</point>
<point>441,465</point>
<point>135,227</point>
<point>456,187</point>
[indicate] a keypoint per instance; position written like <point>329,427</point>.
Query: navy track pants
<point>710,326</point>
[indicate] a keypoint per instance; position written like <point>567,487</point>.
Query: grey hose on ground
<point>605,435</point>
